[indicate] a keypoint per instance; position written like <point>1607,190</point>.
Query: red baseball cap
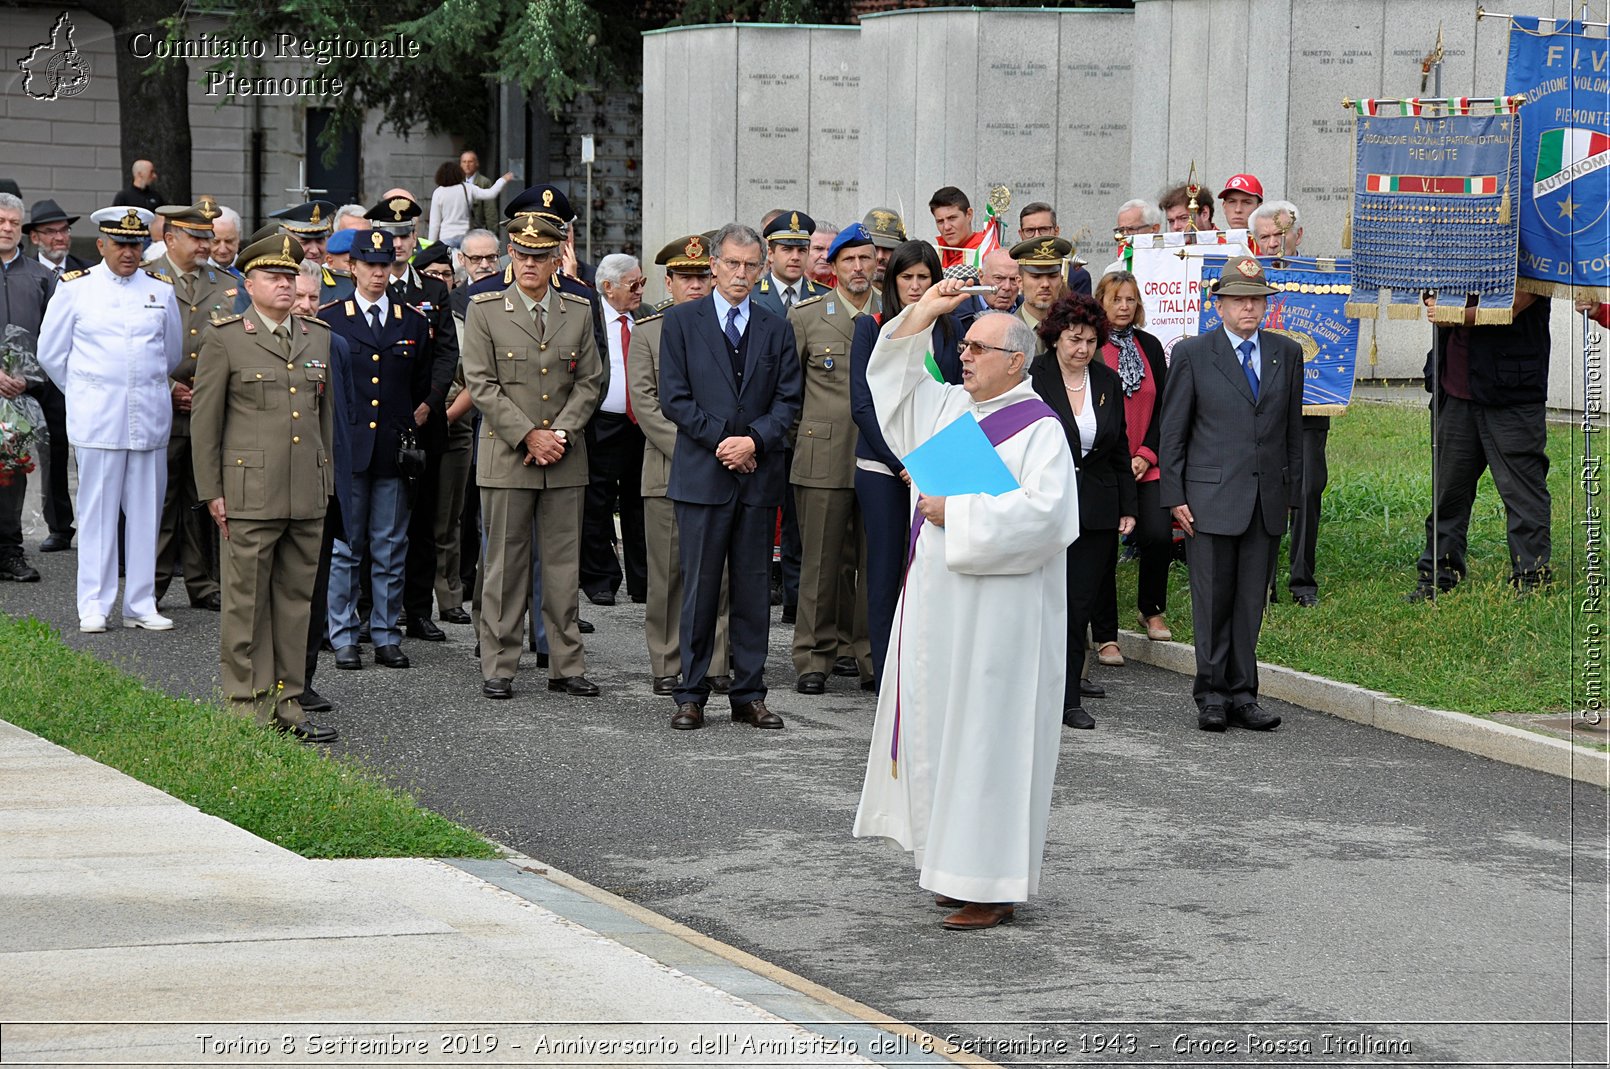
<point>1243,183</point>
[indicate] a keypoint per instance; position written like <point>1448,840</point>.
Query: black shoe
<point>1088,689</point>
<point>665,684</point>
<point>812,683</point>
<point>325,646</point>
<point>777,594</point>
<point>391,657</point>
<point>308,731</point>
<point>55,543</point>
<point>453,616</point>
<point>1274,596</point>
<point>1253,718</point>
<point>846,666</point>
<point>1077,718</point>
<point>1525,583</point>
<point>497,687</point>
<point>421,627</point>
<point>1305,601</point>
<point>720,684</point>
<point>638,599</point>
<point>213,602</point>
<point>18,570</point>
<point>584,627</point>
<point>603,597</point>
<point>870,685</point>
<point>349,658</point>
<point>1422,592</point>
<point>790,613</point>
<point>1210,718</point>
<point>689,717</point>
<point>542,660</point>
<point>312,701</point>
<point>577,686</point>
<point>365,637</point>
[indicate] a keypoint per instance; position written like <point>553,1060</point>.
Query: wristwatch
<point>561,436</point>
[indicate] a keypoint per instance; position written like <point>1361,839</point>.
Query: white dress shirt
<point>615,399</point>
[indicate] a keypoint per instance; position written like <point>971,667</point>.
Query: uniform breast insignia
<point>571,363</point>
<point>489,295</point>
<point>232,291</point>
<point>827,365</point>
<point>70,275</point>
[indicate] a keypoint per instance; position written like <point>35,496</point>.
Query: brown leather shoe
<point>755,714</point>
<point>947,901</point>
<point>689,717</point>
<point>976,916</point>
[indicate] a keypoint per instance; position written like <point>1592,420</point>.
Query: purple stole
<point>998,426</point>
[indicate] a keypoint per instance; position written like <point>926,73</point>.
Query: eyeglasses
<point>976,348</point>
<point>1131,231</point>
<point>442,274</point>
<point>1028,232</point>
<point>533,257</point>
<point>748,267</point>
<point>635,287</point>
<point>489,259</point>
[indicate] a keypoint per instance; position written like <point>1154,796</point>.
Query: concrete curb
<point>1458,731</point>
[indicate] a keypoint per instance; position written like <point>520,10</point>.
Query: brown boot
<point>975,916</point>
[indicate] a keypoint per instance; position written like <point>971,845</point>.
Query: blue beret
<point>851,236</point>
<point>340,242</point>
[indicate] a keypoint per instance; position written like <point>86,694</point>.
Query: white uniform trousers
<point>132,481</point>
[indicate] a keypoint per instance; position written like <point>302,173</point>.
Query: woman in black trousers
<point>1088,397</point>
<point>882,487</point>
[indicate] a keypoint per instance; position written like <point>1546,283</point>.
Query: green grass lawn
<point>269,784</point>
<point>1479,649</point>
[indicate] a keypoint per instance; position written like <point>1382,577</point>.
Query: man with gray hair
<point>615,450</point>
<point>27,285</point>
<point>226,241</point>
<point>352,217</point>
<point>1276,228</point>
<point>730,380</point>
<point>477,257</point>
<point>1135,216</point>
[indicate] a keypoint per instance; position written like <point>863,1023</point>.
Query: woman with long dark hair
<point>881,485</point>
<point>450,203</point>
<point>1088,397</point>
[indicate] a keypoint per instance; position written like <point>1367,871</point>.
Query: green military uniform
<point>823,477</point>
<point>523,376</point>
<point>206,294</point>
<point>1041,256</point>
<point>662,620</point>
<point>261,440</point>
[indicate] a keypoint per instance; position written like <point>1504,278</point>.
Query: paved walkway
<point>1315,885</point>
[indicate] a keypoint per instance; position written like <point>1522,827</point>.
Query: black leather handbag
<point>410,457</point>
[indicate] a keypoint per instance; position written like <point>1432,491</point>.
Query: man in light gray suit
<point>1232,461</point>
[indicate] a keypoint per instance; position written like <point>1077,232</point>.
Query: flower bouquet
<point>22,421</point>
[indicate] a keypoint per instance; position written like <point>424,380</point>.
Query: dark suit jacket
<point>1221,453</point>
<point>1106,483</point>
<point>1509,362</point>
<point>700,395</point>
<point>870,444</point>
<point>431,297</point>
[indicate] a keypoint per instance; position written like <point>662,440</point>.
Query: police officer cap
<point>885,227</point>
<point>686,256</point>
<point>1042,256</point>
<point>398,211</point>
<point>375,246</point>
<point>853,236</point>
<point>192,218</point>
<point>309,220</point>
<point>439,252</point>
<point>123,224</point>
<point>547,200</point>
<point>340,242</point>
<point>278,253</point>
<point>790,228</point>
<point>535,232</point>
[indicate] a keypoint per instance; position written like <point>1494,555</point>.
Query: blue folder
<point>959,460</point>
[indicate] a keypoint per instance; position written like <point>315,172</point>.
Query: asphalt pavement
<point>1325,893</point>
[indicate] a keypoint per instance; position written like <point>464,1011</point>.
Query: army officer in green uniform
<point>532,368</point>
<point>259,434</point>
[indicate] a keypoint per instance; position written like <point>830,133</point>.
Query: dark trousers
<point>318,624</point>
<point>886,515</point>
<point>419,569</point>
<point>11,498</point>
<point>1229,583</point>
<point>1511,441</point>
<point>53,463</point>
<point>1092,560</point>
<point>1154,539</point>
<point>1305,521</point>
<point>789,549</point>
<point>735,538</point>
<point>614,477</point>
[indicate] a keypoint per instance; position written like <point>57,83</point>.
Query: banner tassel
<point>1347,232</point>
<point>1374,349</point>
<point>1503,206</point>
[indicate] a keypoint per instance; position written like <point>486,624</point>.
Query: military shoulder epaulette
<point>575,297</point>
<point>159,276</point>
<point>237,317</point>
<point>70,275</point>
<point>813,287</point>
<point>315,319</point>
<point>807,302</point>
<point>489,295</point>
<point>651,317</point>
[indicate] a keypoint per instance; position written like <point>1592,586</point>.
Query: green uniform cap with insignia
<point>123,224</point>
<point>192,218</point>
<point>535,232</point>
<point>1042,256</point>
<point>276,253</point>
<point>686,256</point>
<point>885,227</point>
<point>1242,277</point>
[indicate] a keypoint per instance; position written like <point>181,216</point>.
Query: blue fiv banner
<point>1432,209</point>
<point>1310,309</point>
<point>1565,153</point>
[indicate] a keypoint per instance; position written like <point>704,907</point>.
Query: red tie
<point>626,345</point>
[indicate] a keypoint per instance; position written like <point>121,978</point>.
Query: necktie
<point>282,335</point>
<point>626,347</point>
<point>184,288</point>
<point>374,319</point>
<point>788,297</point>
<point>1246,365</point>
<point>536,317</point>
<point>732,333</point>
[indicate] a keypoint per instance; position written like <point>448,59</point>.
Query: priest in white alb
<point>964,748</point>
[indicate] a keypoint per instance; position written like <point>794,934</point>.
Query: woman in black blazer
<point>1089,399</point>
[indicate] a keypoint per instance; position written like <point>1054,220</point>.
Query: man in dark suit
<point>1232,460</point>
<point>730,380</point>
<point>50,230</point>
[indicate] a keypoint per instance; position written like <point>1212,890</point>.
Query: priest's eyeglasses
<point>976,348</point>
